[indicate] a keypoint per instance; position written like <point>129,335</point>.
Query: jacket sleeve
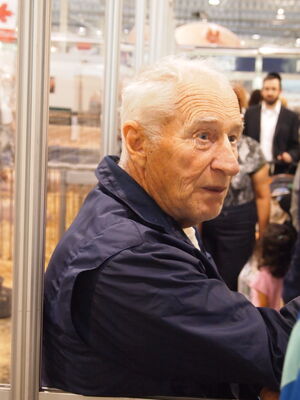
<point>294,150</point>
<point>163,315</point>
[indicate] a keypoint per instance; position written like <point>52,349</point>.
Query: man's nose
<point>226,159</point>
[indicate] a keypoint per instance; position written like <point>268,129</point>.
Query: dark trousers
<point>230,238</point>
<point>291,285</point>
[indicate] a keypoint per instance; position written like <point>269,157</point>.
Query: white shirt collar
<point>191,234</point>
<point>275,109</point>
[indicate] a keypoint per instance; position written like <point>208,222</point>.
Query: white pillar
<point>63,23</point>
<point>258,80</point>
<point>161,39</point>
<point>140,22</point>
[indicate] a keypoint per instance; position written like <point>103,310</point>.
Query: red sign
<point>83,46</point>
<point>8,11</point>
<point>7,35</point>
<point>4,12</point>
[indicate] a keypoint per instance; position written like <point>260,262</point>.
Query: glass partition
<point>75,113</point>
<point>76,105</point>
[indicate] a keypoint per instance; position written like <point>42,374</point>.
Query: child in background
<point>273,263</point>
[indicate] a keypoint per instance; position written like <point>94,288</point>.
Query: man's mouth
<point>215,189</point>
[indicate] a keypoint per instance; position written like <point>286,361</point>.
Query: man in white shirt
<point>274,126</point>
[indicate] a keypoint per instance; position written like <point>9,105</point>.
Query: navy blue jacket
<point>132,308</point>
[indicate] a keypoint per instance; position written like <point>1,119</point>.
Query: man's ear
<point>135,141</point>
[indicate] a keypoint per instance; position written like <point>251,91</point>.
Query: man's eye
<point>202,136</point>
<point>233,139</point>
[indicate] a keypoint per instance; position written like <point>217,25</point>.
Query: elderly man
<point>134,306</point>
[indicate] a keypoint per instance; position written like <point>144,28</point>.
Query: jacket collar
<point>115,181</point>
<point>118,183</point>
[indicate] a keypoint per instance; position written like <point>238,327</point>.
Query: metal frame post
<point>30,188</point>
<point>257,81</point>
<point>140,21</point>
<point>112,36</point>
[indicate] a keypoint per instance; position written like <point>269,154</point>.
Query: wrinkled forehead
<point>209,98</point>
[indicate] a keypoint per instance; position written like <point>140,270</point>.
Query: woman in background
<point>255,98</point>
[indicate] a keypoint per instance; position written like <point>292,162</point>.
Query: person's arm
<point>259,289</point>
<point>293,149</point>
<point>285,157</point>
<point>261,187</point>
<point>267,394</point>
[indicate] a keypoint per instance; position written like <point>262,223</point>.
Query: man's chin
<point>271,102</point>
<point>213,215</point>
<point>199,216</point>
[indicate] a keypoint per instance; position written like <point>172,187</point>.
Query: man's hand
<point>3,175</point>
<point>268,394</point>
<point>285,157</point>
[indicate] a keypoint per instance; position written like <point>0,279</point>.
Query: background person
<point>275,254</point>
<point>274,126</point>
<point>255,98</point>
<point>132,307</point>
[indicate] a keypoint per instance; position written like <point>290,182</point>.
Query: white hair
<point>150,98</point>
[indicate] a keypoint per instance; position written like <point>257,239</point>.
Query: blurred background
<point>246,39</point>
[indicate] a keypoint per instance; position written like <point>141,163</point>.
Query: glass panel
<point>76,90</point>
<point>8,55</point>
<point>76,85</point>
<point>291,90</point>
<point>280,64</point>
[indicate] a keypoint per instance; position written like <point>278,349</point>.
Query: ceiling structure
<point>256,22</point>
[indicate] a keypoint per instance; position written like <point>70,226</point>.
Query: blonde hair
<point>241,94</point>
<point>150,98</point>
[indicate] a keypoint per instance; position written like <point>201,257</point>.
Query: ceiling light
<point>81,30</point>
<point>256,36</point>
<point>267,50</point>
<point>213,2</point>
<point>280,14</point>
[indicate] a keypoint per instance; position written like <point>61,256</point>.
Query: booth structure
<point>40,163</point>
<point>30,171</point>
